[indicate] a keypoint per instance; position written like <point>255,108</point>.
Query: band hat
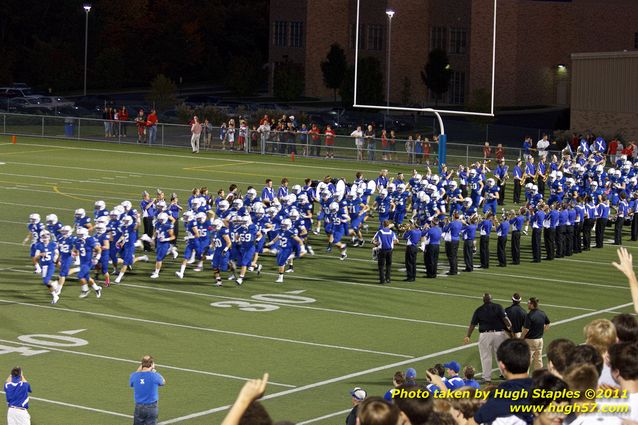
<point>359,393</point>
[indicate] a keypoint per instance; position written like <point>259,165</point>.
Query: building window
<point>353,36</point>
<point>458,40</point>
<point>375,37</point>
<point>457,88</point>
<point>296,34</point>
<point>437,38</point>
<point>280,34</point>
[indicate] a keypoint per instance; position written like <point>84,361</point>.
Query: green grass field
<point>328,328</point>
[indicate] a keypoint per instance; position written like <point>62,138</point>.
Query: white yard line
<point>306,307</point>
<point>381,368</point>
<point>320,418</point>
<point>117,198</point>
<point>46,207</point>
<point>202,158</point>
<point>397,288</point>
<point>220,331</point>
<point>545,279</point>
<point>117,359</point>
<point>77,406</point>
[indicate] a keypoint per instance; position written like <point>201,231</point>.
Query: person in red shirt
<point>612,150</point>
<point>629,150</point>
<point>151,124</point>
<point>487,151</point>
<point>123,117</point>
<point>500,152</point>
<point>140,122</point>
<point>385,145</point>
<point>330,142</point>
<point>315,136</point>
<point>425,144</point>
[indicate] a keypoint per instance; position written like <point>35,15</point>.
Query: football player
<point>46,251</point>
<point>192,241</point>
<point>286,237</point>
<point>221,252</point>
<point>163,237</point>
<point>35,228</point>
<point>85,246</point>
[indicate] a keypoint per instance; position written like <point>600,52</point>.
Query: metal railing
<point>266,143</point>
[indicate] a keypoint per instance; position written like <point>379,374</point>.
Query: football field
<point>328,328</point>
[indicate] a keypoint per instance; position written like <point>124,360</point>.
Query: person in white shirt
<point>542,145</point>
<point>358,141</point>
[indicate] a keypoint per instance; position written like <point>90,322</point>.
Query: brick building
<point>606,106</point>
<point>534,37</point>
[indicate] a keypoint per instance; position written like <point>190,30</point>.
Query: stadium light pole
<point>390,14</point>
<point>87,9</point>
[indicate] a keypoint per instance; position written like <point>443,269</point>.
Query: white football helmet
<point>127,220</point>
<point>490,182</point>
<point>34,218</point>
<point>259,211</point>
<point>66,230</point>
<point>383,193</point>
<point>201,217</point>
<point>161,206</point>
<point>326,194</point>
<point>467,202</point>
<point>83,232</point>
<point>251,194</point>
<point>218,224</point>
<point>296,189</point>
<point>294,215</point>
<point>286,224</point>
<point>100,205</point>
<point>291,199</point>
<point>435,179</point>
<point>224,205</point>
<point>104,219</point>
<point>238,204</point>
<point>303,199</point>
<point>334,206</point>
<point>45,236</point>
<point>52,219</point>
<point>80,213</point>
<point>188,216</point>
<point>100,229</point>
<point>245,220</point>
<point>127,205</point>
<point>424,198</point>
<point>453,185</point>
<point>162,218</point>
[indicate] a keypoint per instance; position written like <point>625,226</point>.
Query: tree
<point>406,91</point>
<point>370,84</point>
<point>163,93</point>
<point>334,68</point>
<point>243,75</point>
<point>289,80</point>
<point>437,74</point>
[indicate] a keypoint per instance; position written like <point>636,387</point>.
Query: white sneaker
<point>180,275</point>
<point>280,279</point>
<point>98,292</point>
<point>191,260</point>
<point>311,251</point>
<point>232,277</point>
<point>146,238</point>
<point>84,294</point>
<point>258,269</point>
<point>197,269</point>
<point>37,270</point>
<point>290,270</point>
<point>56,297</point>
<point>251,269</point>
<point>209,257</point>
<point>239,281</point>
<point>118,280</point>
<point>218,283</point>
<point>344,255</point>
<point>139,244</point>
<point>144,258</point>
<point>154,275</point>
<point>175,254</point>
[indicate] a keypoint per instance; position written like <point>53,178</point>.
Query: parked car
<point>15,91</point>
<point>197,100</point>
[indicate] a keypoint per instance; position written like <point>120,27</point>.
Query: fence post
<point>79,126</point>
<point>162,124</point>
<point>42,126</point>
<point>467,155</point>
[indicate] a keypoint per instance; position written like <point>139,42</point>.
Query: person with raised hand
<point>250,392</point>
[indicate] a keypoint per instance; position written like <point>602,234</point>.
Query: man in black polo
<point>536,323</point>
<point>492,322</point>
<point>517,315</point>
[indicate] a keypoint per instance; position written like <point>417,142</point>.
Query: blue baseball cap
<point>410,373</point>
<point>454,365</point>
